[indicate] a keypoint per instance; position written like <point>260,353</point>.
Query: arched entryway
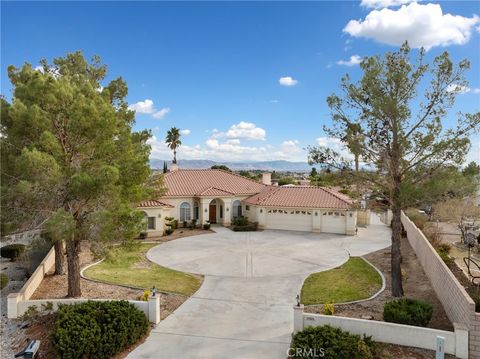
<point>216,211</point>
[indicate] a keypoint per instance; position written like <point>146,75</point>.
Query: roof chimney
<point>267,178</point>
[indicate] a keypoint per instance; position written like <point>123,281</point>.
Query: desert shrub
<point>328,309</point>
<point>418,218</point>
<point>30,313</point>
<point>408,311</point>
<point>445,257</point>
<point>3,280</point>
<point>444,247</point>
<point>97,329</point>
<point>433,234</point>
<point>12,251</point>
<point>144,297</point>
<point>168,231</point>
<point>331,343</point>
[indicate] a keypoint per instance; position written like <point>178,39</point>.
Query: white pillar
<point>204,208</point>
<point>227,211</point>
<point>297,318</point>
<point>12,305</point>
<point>461,340</point>
<point>154,309</point>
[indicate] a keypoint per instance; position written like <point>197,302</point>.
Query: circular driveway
<point>253,254</point>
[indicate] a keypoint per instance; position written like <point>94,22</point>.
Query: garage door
<point>290,220</point>
<point>334,222</point>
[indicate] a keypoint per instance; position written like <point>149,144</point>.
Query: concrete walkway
<point>244,307</point>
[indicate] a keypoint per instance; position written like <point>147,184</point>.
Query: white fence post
<point>297,318</point>
<point>154,309</point>
<point>12,305</point>
<point>461,340</point>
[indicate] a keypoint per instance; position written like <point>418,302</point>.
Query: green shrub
<point>245,228</point>
<point>240,221</point>
<point>206,226</point>
<point>444,247</point>
<point>168,231</point>
<point>3,280</point>
<point>408,311</point>
<point>418,218</point>
<point>143,235</point>
<point>12,251</point>
<point>97,329</point>
<point>331,343</point>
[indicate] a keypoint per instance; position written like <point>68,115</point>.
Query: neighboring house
<point>219,196</point>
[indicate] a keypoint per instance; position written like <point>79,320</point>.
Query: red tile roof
<point>153,203</point>
<point>300,196</point>
<point>208,182</point>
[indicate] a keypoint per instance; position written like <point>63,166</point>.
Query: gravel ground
<point>9,329</point>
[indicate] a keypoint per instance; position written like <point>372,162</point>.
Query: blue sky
<point>244,81</point>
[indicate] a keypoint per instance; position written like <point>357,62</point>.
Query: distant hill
<point>278,166</point>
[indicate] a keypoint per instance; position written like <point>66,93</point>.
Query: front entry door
<point>212,215</point>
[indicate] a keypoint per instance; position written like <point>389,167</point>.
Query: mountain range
<point>279,165</point>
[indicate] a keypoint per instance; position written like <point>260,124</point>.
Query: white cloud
<point>380,4</point>
<point>476,90</point>
<point>422,25</point>
<point>185,132</point>
<point>234,141</point>
<point>274,101</point>
<point>147,108</point>
<point>39,68</point>
<point>143,107</point>
<point>290,146</point>
<point>245,130</point>
<point>354,60</point>
<point>158,115</point>
<point>287,81</point>
<point>458,88</point>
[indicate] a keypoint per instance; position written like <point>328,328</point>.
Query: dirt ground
<point>415,284</point>
<point>178,233</point>
<point>55,287</point>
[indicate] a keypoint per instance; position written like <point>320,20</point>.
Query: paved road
<point>244,307</point>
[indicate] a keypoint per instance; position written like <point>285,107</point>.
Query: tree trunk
<point>73,260</point>
<point>59,258</point>
<point>356,175</point>
<point>396,255</point>
<point>174,156</point>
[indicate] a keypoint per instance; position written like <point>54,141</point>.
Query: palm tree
<point>173,141</point>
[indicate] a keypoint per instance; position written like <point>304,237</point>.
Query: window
<point>247,208</point>
<point>184,212</point>
<point>237,209</point>
<point>151,223</point>
<point>196,214</point>
<point>221,211</point>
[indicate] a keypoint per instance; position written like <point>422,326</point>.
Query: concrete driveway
<point>244,307</point>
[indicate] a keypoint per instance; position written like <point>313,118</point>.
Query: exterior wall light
<point>206,210</point>
<point>261,210</point>
<point>316,213</point>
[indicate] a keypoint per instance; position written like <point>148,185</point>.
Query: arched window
<point>184,212</point>
<point>237,209</point>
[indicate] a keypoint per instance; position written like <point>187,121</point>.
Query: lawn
<point>129,266</point>
<point>354,280</point>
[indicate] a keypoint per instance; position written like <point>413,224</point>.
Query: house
<point>219,196</point>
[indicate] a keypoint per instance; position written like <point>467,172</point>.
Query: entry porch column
<point>204,208</point>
